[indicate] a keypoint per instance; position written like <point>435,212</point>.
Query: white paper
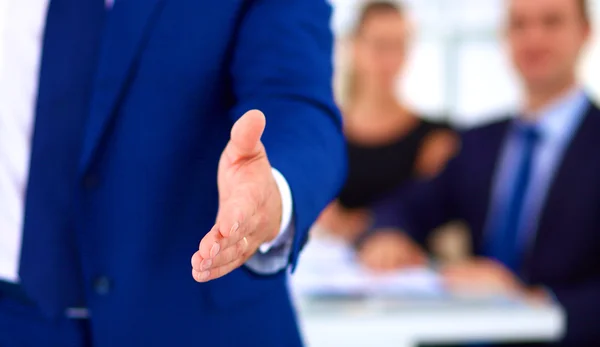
<point>328,267</point>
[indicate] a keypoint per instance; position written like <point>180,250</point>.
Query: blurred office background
<point>458,66</point>
<point>458,73</point>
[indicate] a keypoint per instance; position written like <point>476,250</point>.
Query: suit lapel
<point>487,157</point>
<point>125,34</point>
<point>570,170</point>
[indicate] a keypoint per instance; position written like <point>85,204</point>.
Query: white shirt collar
<point>558,120</point>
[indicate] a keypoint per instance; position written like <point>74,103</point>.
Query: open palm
<point>249,203</point>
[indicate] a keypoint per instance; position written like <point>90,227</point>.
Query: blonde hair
<point>585,12</point>
<point>371,8</point>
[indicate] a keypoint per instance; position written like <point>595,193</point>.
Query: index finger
<point>231,227</point>
<point>210,245</point>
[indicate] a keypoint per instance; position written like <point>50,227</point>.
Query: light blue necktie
<point>503,241</point>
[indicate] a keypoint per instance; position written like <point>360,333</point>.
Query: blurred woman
<point>388,143</point>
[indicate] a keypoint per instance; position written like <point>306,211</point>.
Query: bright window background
<point>458,68</point>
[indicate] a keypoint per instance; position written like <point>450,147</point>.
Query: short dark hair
<point>376,7</point>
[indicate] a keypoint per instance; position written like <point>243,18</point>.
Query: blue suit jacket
<point>565,256</point>
<point>172,77</point>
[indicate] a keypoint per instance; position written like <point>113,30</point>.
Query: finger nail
<point>206,264</point>
<point>203,276</point>
<point>234,228</point>
<point>215,250</point>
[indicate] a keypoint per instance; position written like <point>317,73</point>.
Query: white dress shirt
<point>22,25</point>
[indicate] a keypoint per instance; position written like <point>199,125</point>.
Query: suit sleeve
<point>581,304</point>
<point>282,65</point>
<point>421,206</point>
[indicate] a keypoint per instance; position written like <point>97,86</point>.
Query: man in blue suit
<point>528,188</point>
<point>120,161</point>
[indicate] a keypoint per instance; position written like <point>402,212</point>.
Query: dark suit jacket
<point>172,77</point>
<point>565,256</point>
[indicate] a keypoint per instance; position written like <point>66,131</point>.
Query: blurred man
<point>528,188</point>
<point>116,159</point>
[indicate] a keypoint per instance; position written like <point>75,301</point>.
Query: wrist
<point>281,204</point>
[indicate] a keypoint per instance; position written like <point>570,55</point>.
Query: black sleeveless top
<point>375,171</point>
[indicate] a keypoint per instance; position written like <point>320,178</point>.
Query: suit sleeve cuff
<point>273,256</point>
<point>285,228</point>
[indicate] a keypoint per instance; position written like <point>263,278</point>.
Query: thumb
<point>245,135</point>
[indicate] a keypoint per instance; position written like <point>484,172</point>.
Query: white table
<point>422,311</point>
<point>405,323</point>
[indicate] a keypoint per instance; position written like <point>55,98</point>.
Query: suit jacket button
<point>102,285</point>
<point>90,181</point>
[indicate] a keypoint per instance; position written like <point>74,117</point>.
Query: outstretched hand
<point>249,203</point>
